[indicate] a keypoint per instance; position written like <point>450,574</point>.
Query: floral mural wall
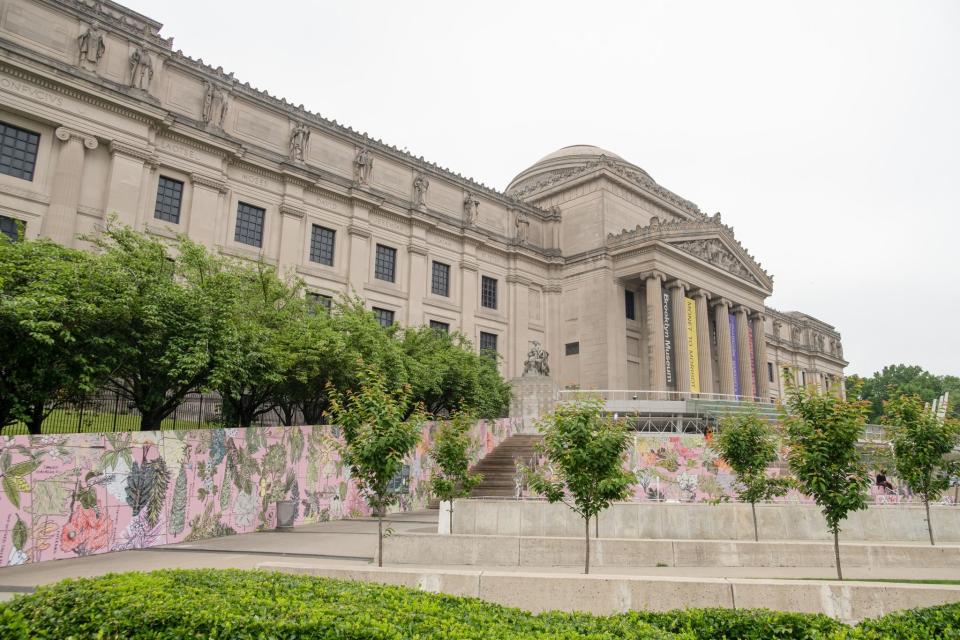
<point>73,495</point>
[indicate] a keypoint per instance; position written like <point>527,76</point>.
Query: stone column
<point>681,354</point>
<point>658,373</point>
<point>206,210</point>
<point>721,312</point>
<point>124,188</point>
<point>60,222</point>
<point>744,348</point>
<point>760,354</point>
<point>468,298</point>
<point>519,314</point>
<point>291,238</point>
<point>703,342</point>
<point>417,270</point>
<point>359,257</point>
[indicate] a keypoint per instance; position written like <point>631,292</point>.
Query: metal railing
<point>626,395</point>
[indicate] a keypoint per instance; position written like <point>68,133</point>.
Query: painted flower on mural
<point>244,509</point>
<point>138,534</point>
<point>88,530</point>
<point>688,485</point>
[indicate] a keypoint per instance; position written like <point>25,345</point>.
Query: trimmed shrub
<point>932,623</point>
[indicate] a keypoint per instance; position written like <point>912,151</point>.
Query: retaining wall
<point>849,602</point>
<point>726,521</point>
<point>431,549</point>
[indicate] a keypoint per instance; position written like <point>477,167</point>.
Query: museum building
<point>626,284</point>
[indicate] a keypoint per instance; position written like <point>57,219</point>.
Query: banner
<point>692,345</point>
<point>737,391</point>
<point>668,339</point>
<point>753,364</point>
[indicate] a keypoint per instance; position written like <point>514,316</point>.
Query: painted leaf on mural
<point>19,535</point>
<point>157,492</point>
<point>178,508</point>
<point>139,485</point>
<point>296,445</point>
<point>50,497</point>
<point>218,447</point>
<point>22,468</point>
<point>11,490</point>
<point>226,488</point>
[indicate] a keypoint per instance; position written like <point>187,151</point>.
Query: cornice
<point>138,153</point>
<point>114,16</point>
<point>292,211</point>
<point>217,184</point>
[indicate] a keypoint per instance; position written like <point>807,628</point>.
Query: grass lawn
<point>71,421</point>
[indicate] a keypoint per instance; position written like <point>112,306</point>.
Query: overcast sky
<point>827,133</point>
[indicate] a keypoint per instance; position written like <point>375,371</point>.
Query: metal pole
<point>200,412</point>
<point>80,420</point>
<point>116,412</point>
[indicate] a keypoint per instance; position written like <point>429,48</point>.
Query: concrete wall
<point>849,602</point>
<point>430,549</point>
<point>704,521</point>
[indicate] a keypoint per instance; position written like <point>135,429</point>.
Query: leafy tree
<point>921,444</point>
<point>900,379</point>
<point>747,444</point>
<point>822,434</point>
<point>50,322</point>
<point>378,435</point>
<point>585,452</point>
<point>167,315</point>
<point>446,374</point>
<point>451,454</point>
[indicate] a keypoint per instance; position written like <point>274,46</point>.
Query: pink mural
<point>73,495</point>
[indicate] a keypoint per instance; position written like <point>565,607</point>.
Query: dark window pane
<point>249,224</point>
<point>770,371</point>
<point>169,197</point>
<point>441,279</point>
<point>488,344</point>
<point>384,316</point>
<point>488,292</point>
<point>321,245</point>
<point>385,266</point>
<point>319,301</point>
<point>440,326</point>
<point>18,151</point>
<point>8,227</point>
<point>630,304</point>
<point>572,348</point>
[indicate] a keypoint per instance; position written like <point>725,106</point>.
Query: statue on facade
<point>536,364</point>
<point>362,165</point>
<point>214,105</point>
<point>523,227</point>
<point>471,208</point>
<point>141,69</point>
<point>420,186</point>
<point>298,141</point>
<point>92,46</point>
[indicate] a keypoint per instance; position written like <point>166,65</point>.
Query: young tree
<point>921,444</point>
<point>585,452</point>
<point>822,434</point>
<point>451,454</point>
<point>378,438</point>
<point>748,445</point>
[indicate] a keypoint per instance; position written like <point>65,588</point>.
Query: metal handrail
<point>650,394</point>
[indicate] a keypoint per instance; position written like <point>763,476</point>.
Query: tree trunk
<point>586,555</point>
<point>836,552</point>
<point>926,505</point>
<point>756,532</point>
<point>451,516</point>
<point>596,526</point>
<point>35,419</point>
<point>379,538</point>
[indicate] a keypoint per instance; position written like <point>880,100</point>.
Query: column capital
<point>417,248</point>
<point>138,153</point>
<point>655,275</point>
<point>720,302</point>
<point>739,308</point>
<point>468,265</point>
<point>698,293</point>
<point>64,134</point>
<point>677,283</point>
<point>292,211</point>
<point>360,232</point>
<point>758,316</point>
<point>216,184</point>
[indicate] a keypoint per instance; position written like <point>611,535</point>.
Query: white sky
<point>827,133</point>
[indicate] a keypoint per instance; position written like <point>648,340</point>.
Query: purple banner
<point>753,364</point>
<point>736,355</point>
<point>668,338</point>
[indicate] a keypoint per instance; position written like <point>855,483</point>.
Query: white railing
<point>626,395</point>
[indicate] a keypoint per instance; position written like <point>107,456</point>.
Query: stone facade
<point>126,126</point>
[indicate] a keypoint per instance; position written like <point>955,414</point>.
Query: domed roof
<point>559,163</point>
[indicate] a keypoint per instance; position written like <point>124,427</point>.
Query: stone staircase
<point>499,467</point>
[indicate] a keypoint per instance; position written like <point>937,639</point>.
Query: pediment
<point>719,254</point>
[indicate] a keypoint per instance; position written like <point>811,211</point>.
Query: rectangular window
<point>385,266</point>
<point>18,151</point>
<point>440,326</point>
<point>488,344</point>
<point>319,301</point>
<point>249,224</point>
<point>572,348</point>
<point>488,292</point>
<point>441,279</point>
<point>169,197</point>
<point>321,245</point>
<point>770,371</point>
<point>630,304</point>
<point>384,316</point>
<point>8,227</point>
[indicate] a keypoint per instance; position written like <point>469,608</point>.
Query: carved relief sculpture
<point>714,252</point>
<point>214,105</point>
<point>298,141</point>
<point>523,227</point>
<point>91,46</point>
<point>362,165</point>
<point>420,186</point>
<point>471,209</point>
<point>141,69</point>
<point>536,364</point>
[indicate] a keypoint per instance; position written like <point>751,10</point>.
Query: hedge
<point>235,604</point>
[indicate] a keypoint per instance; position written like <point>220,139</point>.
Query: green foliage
<point>585,451</point>
<point>898,380</point>
<point>450,452</point>
<point>248,605</point>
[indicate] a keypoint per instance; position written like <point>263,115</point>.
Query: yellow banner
<point>692,345</point>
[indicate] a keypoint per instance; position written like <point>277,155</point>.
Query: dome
<point>560,162</point>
